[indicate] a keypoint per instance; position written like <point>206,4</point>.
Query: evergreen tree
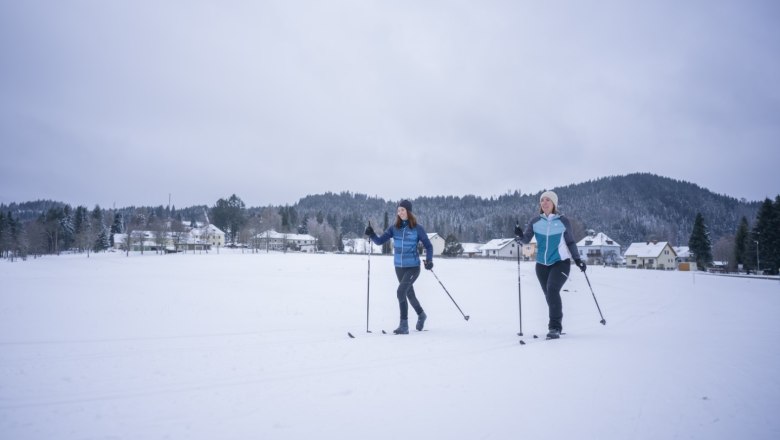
<point>102,242</point>
<point>230,216</point>
<point>303,228</point>
<point>17,239</point>
<point>284,212</point>
<point>13,237</point>
<point>3,234</point>
<point>67,229</point>
<point>741,245</point>
<point>774,248</point>
<point>767,233</point>
<point>700,244</point>
<point>117,227</point>
<point>80,220</point>
<point>452,247</point>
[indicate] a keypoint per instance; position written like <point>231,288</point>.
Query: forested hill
<point>635,207</point>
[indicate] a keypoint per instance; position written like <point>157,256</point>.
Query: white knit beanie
<point>550,195</point>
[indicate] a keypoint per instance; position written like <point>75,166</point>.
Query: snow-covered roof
<point>600,239</point>
<point>212,228</point>
<point>191,237</point>
<point>281,236</point>
<point>471,248</point>
<point>361,245</point>
<point>496,244</point>
<point>682,251</point>
<point>433,234</point>
<point>647,250</point>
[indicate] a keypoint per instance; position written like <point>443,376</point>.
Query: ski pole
<point>519,293</point>
<point>603,321</point>
<point>466,317</point>
<point>368,280</point>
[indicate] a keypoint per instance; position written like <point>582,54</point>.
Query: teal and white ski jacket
<point>553,239</point>
<point>405,244</point>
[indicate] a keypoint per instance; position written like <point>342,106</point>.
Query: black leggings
<point>552,279</point>
<point>406,277</point>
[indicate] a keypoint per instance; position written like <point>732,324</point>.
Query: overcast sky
<point>125,102</point>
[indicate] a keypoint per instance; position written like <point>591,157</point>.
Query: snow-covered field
<point>255,346</point>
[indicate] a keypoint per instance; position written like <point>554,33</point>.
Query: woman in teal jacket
<point>406,233</point>
<point>555,250</point>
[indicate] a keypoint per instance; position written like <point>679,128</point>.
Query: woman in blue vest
<point>406,233</point>
<point>555,250</point>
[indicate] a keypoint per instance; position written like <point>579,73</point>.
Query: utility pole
<point>758,262</point>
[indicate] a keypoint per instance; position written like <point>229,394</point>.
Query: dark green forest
<point>630,208</point>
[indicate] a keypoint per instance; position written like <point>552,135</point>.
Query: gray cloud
<point>127,102</point>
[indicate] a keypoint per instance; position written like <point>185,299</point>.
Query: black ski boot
<point>403,328</point>
<point>421,321</point>
<point>554,333</point>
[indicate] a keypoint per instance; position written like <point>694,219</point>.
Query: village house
<point>599,249</point>
<point>209,234</point>
<point>190,239</point>
<point>279,241</point>
<point>500,248</point>
<point>471,249</point>
<point>357,245</point>
<point>683,253</point>
<point>651,255</point>
<point>437,242</point>
<point>529,250</point>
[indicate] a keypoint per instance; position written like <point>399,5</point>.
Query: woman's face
<point>402,213</point>
<point>546,205</point>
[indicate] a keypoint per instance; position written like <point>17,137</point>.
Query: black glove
<point>581,264</point>
<point>370,231</point>
<point>428,264</point>
<point>518,231</point>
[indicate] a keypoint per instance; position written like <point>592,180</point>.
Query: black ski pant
<point>552,279</point>
<point>406,277</point>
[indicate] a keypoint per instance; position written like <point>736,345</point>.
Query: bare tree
<point>324,233</point>
<point>271,219</point>
<point>723,250</point>
<point>159,228</point>
<point>178,233</point>
<point>249,233</point>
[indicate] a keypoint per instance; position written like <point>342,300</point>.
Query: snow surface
<point>255,346</point>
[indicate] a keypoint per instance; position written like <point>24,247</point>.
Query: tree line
<point>636,207</point>
<point>743,250</point>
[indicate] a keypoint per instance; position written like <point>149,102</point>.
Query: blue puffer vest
<point>405,244</point>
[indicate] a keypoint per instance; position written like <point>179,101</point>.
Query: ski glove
<point>518,231</point>
<point>581,264</point>
<point>370,231</point>
<point>428,264</point>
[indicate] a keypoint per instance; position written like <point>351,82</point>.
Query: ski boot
<point>421,321</point>
<point>554,333</point>
<point>403,328</point>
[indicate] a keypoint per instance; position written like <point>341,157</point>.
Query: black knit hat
<point>406,204</point>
